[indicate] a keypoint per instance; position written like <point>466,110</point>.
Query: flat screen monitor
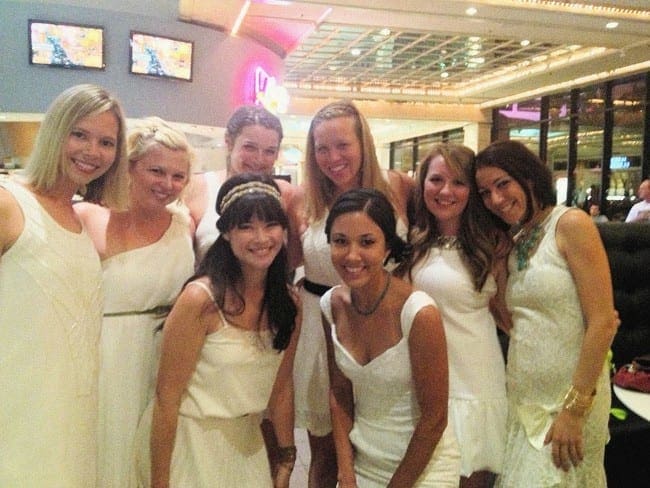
<point>160,56</point>
<point>66,45</point>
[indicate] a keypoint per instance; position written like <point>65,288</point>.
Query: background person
<point>340,156</point>
<point>557,378</point>
<point>640,211</point>
<point>227,355</point>
<point>146,252</point>
<point>456,264</point>
<point>387,358</point>
<point>50,293</point>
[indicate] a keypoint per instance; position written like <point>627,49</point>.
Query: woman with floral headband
<point>227,356</point>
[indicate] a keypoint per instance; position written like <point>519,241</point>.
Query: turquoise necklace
<point>526,241</point>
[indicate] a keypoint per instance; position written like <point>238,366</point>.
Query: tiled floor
<point>299,475</point>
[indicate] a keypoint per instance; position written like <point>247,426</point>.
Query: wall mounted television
<point>66,45</point>
<point>160,56</point>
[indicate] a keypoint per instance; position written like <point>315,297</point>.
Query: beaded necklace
<point>526,240</point>
<point>447,242</point>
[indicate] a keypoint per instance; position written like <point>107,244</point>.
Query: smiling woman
<point>146,254</point>
<point>50,293</point>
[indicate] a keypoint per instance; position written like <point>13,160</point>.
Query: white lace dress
<point>477,385</point>
<point>544,347</point>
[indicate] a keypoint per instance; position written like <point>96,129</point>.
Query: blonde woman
<point>146,253</point>
<point>50,293</point>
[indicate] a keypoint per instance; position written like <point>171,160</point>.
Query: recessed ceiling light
<point>611,25</point>
<point>444,74</point>
<point>332,68</point>
<point>355,51</point>
<point>471,11</point>
<point>525,42</point>
<point>385,31</point>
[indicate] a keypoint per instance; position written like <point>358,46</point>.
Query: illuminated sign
<point>269,94</point>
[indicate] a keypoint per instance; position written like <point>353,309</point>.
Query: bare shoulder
<point>576,231</point>
<point>87,211</point>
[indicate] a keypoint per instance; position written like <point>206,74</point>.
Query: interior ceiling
<point>433,51</point>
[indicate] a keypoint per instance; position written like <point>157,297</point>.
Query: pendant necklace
<point>375,305</point>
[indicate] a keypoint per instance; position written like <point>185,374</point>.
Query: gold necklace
<point>375,305</point>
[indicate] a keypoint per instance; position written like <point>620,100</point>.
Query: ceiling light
<point>611,25</point>
<point>385,31</point>
<point>471,11</point>
<point>525,43</point>
<point>240,18</point>
<point>355,51</point>
<point>444,74</point>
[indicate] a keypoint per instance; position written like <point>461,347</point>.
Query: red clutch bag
<point>634,376</point>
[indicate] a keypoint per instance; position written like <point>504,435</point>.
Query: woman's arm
<point>497,304</point>
<point>183,337</point>
<point>403,187</point>
<point>428,356</point>
<point>12,221</point>
<point>294,205</point>
<point>195,197</point>
<point>579,241</point>
<point>342,411</point>
<point>281,407</point>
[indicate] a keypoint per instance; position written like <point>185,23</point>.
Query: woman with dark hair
<point>227,355</point>
<point>562,326</point>
<point>51,298</point>
<point>253,136</point>
<point>387,358</point>
<point>456,263</point>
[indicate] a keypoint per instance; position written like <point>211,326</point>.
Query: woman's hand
<point>565,437</point>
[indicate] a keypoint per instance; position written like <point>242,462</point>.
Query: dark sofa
<point>627,456</point>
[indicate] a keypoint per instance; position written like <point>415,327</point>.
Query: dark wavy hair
<point>224,269</point>
<point>376,206</point>
<point>477,244</point>
<point>525,167</point>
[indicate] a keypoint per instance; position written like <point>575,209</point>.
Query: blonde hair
<point>149,132</point>
<point>320,191</point>
<point>46,163</point>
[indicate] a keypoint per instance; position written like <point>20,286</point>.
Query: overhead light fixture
<point>525,43</point>
<point>240,18</point>
<point>444,74</point>
<point>385,31</point>
<point>611,25</point>
<point>471,11</point>
<point>355,51</point>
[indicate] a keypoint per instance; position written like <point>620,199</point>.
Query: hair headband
<point>245,189</point>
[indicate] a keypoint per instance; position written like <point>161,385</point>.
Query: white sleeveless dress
<point>311,380</point>
<point>219,441</point>
<point>545,342</point>
<point>477,386</point>
<point>50,317</point>
<point>140,284</point>
<point>386,410</point>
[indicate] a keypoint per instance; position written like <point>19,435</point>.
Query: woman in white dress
<point>340,156</point>
<point>50,293</point>
<point>146,252</point>
<point>455,264</point>
<point>562,325</point>
<point>387,358</point>
<point>227,356</point>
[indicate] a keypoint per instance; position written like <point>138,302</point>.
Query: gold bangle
<point>577,403</point>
